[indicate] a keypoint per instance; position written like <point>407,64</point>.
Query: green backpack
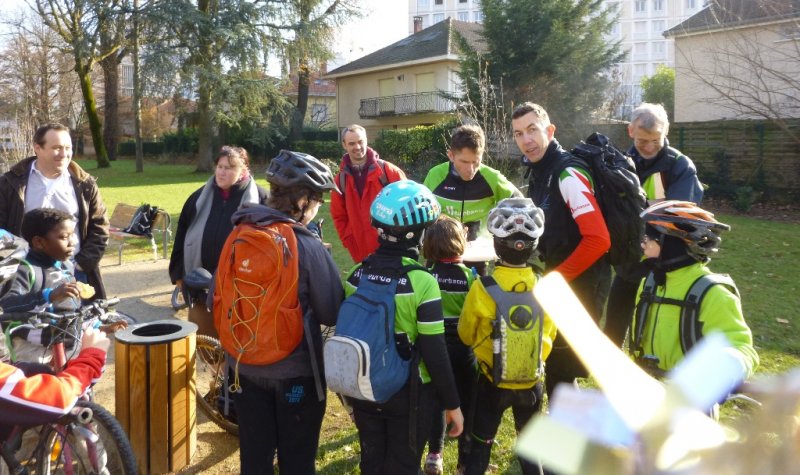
<point>516,335</point>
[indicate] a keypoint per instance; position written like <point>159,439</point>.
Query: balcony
<point>405,104</point>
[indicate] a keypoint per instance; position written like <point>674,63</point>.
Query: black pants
<point>622,300</point>
<point>384,432</point>
<point>490,404</point>
<point>462,360</point>
<point>591,288</point>
<point>278,414</point>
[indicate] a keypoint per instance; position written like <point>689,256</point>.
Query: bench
<point>120,219</point>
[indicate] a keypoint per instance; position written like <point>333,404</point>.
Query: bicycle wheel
<point>69,448</point>
<point>210,367</point>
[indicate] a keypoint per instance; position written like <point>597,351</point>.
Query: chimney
<point>417,24</point>
<point>323,68</point>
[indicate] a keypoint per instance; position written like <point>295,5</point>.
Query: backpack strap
<point>642,308</point>
<point>383,178</point>
<point>690,325</point>
<point>505,301</point>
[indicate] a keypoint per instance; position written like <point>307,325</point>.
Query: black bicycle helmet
<point>12,250</point>
<point>688,222</point>
<point>295,168</point>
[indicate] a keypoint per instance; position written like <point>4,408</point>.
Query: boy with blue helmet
<point>392,434</point>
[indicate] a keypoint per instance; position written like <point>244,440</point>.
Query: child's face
<point>466,162</point>
<point>59,242</point>
<point>651,248</point>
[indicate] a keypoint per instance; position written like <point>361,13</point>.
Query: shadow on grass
<point>334,459</point>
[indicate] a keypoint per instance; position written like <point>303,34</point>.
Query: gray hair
<point>353,128</point>
<point>650,117</point>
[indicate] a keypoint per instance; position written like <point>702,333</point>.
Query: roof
<point>317,85</point>
<point>729,14</point>
<point>433,42</point>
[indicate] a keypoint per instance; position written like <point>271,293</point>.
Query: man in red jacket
<point>362,175</point>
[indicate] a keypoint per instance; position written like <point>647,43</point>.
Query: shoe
<point>434,465</point>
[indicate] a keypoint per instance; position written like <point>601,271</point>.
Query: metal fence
<point>418,103</point>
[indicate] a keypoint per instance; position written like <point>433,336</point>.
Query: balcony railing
<point>403,104</point>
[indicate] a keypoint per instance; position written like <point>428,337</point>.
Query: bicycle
<point>210,366</point>
<point>88,439</point>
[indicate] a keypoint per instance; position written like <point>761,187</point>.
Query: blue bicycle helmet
<point>404,207</point>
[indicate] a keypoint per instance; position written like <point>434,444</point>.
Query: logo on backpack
<point>517,333</point>
<point>361,359</point>
<point>256,309</point>
<point>618,193</point>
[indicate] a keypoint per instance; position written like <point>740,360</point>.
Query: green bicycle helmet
<point>300,169</point>
<point>403,207</point>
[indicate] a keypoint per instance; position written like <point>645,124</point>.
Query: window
<point>423,4</point>
<point>462,1</point>
<point>639,70</point>
<point>640,6</point>
<point>478,16</point>
<point>658,5</point>
<point>438,2</point>
<point>615,29</point>
<point>691,4</point>
<point>640,51</point>
<point>659,26</point>
<point>319,113</point>
<point>463,16</point>
<point>640,28</point>
<point>437,17</point>
<point>659,49</point>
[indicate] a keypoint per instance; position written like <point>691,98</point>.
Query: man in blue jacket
<point>665,173</point>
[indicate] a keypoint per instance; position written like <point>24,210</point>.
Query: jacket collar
<point>23,168</point>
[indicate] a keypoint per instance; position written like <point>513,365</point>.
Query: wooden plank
<point>122,386</point>
<point>191,394</point>
<point>182,424</point>
<point>138,404</point>
<point>159,409</point>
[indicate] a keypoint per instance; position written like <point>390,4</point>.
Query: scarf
<point>193,244</point>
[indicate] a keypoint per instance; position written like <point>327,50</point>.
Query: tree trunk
<point>91,113</point>
<point>110,67</point>
<point>205,127</point>
<point>299,113</point>
<point>137,92</point>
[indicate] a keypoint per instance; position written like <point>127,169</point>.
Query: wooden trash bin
<point>155,392</point>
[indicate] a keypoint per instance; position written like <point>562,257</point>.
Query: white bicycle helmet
<point>516,215</point>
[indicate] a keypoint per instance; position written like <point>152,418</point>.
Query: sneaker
<point>434,465</point>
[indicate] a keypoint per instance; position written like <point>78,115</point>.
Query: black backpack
<point>618,193</point>
<point>142,222</point>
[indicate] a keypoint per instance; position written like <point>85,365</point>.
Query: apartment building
<point>639,29</point>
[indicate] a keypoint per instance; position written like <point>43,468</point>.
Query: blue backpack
<point>361,358</point>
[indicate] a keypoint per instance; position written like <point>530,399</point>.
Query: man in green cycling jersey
<point>466,188</point>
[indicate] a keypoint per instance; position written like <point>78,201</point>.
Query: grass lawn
<point>760,255</point>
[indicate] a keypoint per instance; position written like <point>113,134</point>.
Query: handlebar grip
<point>111,302</point>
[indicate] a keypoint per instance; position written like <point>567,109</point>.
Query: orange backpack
<point>256,309</point>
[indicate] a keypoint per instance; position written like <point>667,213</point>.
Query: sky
<point>385,22</point>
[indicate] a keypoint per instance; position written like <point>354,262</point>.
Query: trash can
<point>155,392</point>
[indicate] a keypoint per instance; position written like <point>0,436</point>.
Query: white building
<point>639,29</point>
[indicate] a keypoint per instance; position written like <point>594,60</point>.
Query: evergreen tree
<point>553,52</point>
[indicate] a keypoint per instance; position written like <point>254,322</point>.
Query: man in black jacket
<point>50,179</point>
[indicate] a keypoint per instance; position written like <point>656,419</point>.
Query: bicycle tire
<point>209,367</point>
<point>116,454</point>
<point>178,302</point>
